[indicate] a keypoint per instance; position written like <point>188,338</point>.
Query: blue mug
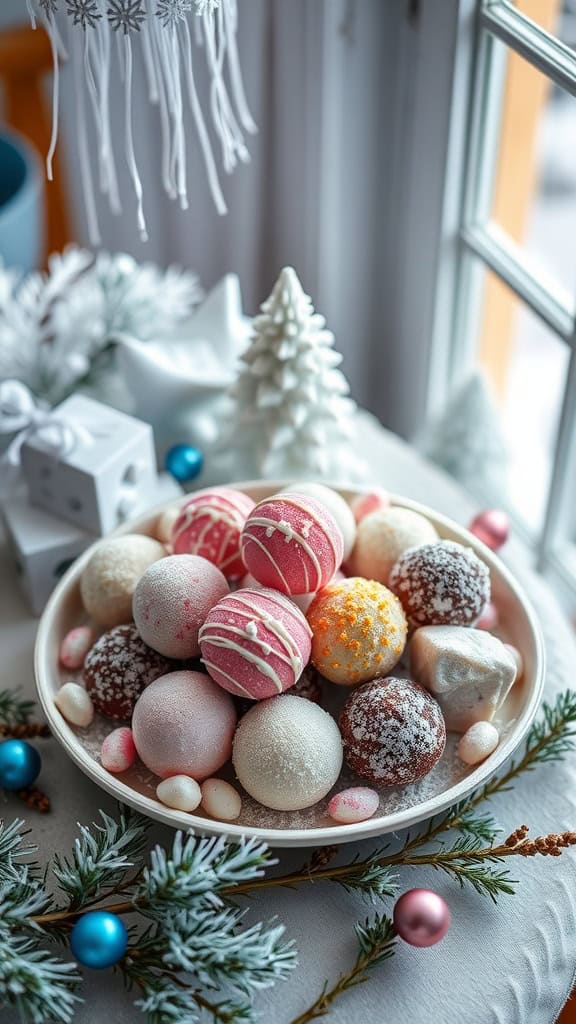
<point>21,203</point>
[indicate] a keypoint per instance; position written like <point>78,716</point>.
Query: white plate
<point>400,807</point>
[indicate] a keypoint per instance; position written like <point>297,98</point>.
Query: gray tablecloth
<point>507,964</point>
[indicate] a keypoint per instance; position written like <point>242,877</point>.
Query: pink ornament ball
<point>374,501</point>
<point>75,647</point>
<point>421,917</point>
<point>355,804</point>
<point>255,643</point>
<point>210,524</point>
<point>172,600</point>
<point>492,527</point>
<point>292,543</point>
<point>118,752</point>
<point>183,724</point>
<point>489,617</point>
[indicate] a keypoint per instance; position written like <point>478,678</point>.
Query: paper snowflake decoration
<point>50,7</point>
<point>83,12</point>
<point>127,15</point>
<point>172,11</point>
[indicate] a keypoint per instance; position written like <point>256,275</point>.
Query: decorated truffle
<point>118,668</point>
<point>255,643</point>
<point>393,732</point>
<point>287,753</point>
<point>358,630</point>
<point>110,577</point>
<point>172,600</point>
<point>335,504</point>
<point>291,542</point>
<point>183,724</point>
<point>210,524</point>
<point>441,584</point>
<point>383,536</point>
<point>469,671</point>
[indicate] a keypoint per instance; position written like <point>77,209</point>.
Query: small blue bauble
<point>20,764</point>
<point>184,462</point>
<point>99,939</point>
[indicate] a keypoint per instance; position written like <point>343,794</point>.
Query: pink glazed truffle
<point>183,724</point>
<point>255,643</point>
<point>210,525</point>
<point>172,600</point>
<point>291,542</point>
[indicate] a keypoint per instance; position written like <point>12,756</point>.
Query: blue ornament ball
<point>184,462</point>
<point>99,939</point>
<point>20,764</point>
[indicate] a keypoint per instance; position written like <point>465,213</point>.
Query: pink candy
<point>118,752</point>
<point>363,504</point>
<point>355,804</point>
<point>489,617</point>
<point>75,646</point>
<point>210,524</point>
<point>292,543</point>
<point>255,643</point>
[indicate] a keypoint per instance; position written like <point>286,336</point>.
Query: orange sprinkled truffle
<point>347,651</point>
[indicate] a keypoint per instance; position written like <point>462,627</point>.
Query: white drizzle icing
<point>231,516</point>
<point>211,665</point>
<point>247,538</point>
<point>260,664</point>
<point>290,534</point>
<point>288,658</point>
<point>290,499</point>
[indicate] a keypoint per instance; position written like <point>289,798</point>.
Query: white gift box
<point>108,473</point>
<point>42,546</point>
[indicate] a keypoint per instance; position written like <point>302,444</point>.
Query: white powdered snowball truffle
<point>287,752</point>
<point>480,740</point>
<point>220,800</point>
<point>74,704</point>
<point>110,578</point>
<point>335,504</point>
<point>383,536</point>
<point>180,792</point>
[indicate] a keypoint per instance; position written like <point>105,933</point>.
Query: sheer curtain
<point>330,186</point>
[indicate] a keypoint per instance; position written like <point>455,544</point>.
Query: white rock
<point>74,704</point>
<point>469,671</point>
<point>180,792</point>
<point>220,800</point>
<point>478,742</point>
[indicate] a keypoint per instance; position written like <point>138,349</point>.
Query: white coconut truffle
<point>220,800</point>
<point>165,522</point>
<point>287,752</point>
<point>74,704</point>
<point>478,742</point>
<point>335,504</point>
<point>383,536</point>
<point>469,671</point>
<point>180,792</point>
<point>110,577</point>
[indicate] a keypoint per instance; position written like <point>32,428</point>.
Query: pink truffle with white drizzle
<point>255,643</point>
<point>291,542</point>
<point>210,525</point>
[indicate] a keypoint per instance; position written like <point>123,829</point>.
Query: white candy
<point>517,658</point>
<point>383,536</point>
<point>165,522</point>
<point>118,752</point>
<point>469,671</point>
<point>220,800</point>
<point>75,646</point>
<point>74,704</point>
<point>355,804</point>
<point>478,742</point>
<point>180,792</point>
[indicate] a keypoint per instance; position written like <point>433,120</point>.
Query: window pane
<point>526,365</point>
<point>534,184</point>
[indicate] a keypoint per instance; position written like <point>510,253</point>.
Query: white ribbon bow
<point>20,411</point>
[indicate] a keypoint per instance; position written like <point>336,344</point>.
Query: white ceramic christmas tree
<point>292,415</point>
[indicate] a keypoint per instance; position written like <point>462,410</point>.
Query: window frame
<point>476,243</point>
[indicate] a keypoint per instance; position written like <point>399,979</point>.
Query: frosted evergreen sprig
<point>38,984</point>
<point>101,858</point>
<point>14,709</point>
